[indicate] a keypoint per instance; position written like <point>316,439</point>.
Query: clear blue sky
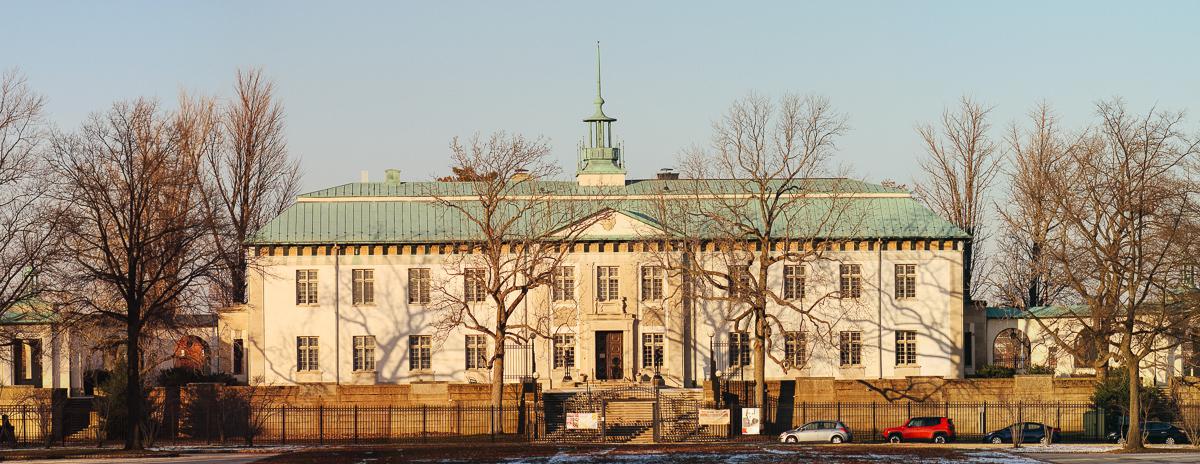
<point>387,84</point>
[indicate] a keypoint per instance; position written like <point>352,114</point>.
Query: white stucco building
<point>340,291</point>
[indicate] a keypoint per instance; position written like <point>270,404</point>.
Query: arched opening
<point>1011,349</point>
<point>191,352</point>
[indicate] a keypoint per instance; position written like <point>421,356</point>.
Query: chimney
<point>392,176</point>
<point>521,175</point>
<point>667,174</point>
<point>364,176</point>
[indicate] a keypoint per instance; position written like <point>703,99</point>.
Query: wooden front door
<point>610,348</point>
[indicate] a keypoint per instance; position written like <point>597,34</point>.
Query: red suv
<point>934,429</point>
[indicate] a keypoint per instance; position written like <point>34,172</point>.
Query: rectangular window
<point>473,285</point>
<point>564,351</point>
<point>608,285</point>
<point>795,348</point>
<point>364,352</point>
<point>239,356</point>
<point>476,352</point>
<point>420,351</point>
<point>906,281</point>
<point>563,283</point>
<point>793,282</point>
<point>652,350</point>
<point>306,286</point>
<point>739,349</point>
<point>969,350</point>
<point>652,283</point>
<point>906,347</point>
<point>850,347</point>
<point>306,354</point>
<point>364,286</point>
<point>851,281</point>
<point>418,286</point>
<point>739,280</point>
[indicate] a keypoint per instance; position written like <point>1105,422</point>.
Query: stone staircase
<point>79,420</point>
<point>627,411</point>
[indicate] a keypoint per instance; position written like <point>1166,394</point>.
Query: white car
<point>818,432</point>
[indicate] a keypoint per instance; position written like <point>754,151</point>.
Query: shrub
<point>180,376</point>
<point>992,371</point>
<point>1040,370</point>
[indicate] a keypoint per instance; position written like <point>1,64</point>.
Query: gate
<point>634,414</point>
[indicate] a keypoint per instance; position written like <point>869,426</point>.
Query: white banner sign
<point>751,421</point>
<point>714,417</point>
<point>582,420</point>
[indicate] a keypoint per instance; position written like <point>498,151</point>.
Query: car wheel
<point>997,440</point>
<point>895,438</point>
<point>1169,441</point>
<point>791,439</point>
<point>939,439</point>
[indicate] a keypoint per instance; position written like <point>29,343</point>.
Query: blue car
<point>1032,432</point>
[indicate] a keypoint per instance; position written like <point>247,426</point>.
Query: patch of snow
<point>1062,448</point>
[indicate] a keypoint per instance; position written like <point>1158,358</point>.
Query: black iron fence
<point>645,415</point>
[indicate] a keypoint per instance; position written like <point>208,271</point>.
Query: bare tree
<point>138,234</point>
<point>520,234</point>
<point>246,170</point>
<point>1026,279</point>
<point>28,228</point>
<point>961,166</point>
<point>1123,208</point>
<point>778,210</point>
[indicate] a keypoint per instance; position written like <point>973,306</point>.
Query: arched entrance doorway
<point>1011,349</point>
<point>191,352</point>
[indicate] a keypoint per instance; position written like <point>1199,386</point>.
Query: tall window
<point>793,282</point>
<point>969,349</point>
<point>239,356</point>
<point>795,348</point>
<point>851,348</point>
<point>608,286</point>
<point>1052,357</point>
<point>652,350</point>
<point>652,283</point>
<point>473,285</point>
<point>306,354</point>
<point>851,281</point>
<point>564,351</point>
<point>364,352</point>
<point>739,349</point>
<point>906,281</point>
<point>306,286</point>
<point>364,286</point>
<point>420,351</point>
<point>418,285</point>
<point>906,347</point>
<point>739,280</point>
<point>563,283</point>
<point>476,351</point>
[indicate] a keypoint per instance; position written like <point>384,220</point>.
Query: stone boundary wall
<point>1027,388</point>
<point>416,394</point>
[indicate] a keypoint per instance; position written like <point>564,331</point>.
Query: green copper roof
<point>380,212</point>
<point>1037,311</point>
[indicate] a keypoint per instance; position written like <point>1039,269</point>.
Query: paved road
<point>233,458</point>
<point>1099,458</point>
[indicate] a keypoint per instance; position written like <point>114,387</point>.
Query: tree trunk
<point>760,361</point>
<point>133,389</point>
<point>1133,434</point>
<point>498,384</point>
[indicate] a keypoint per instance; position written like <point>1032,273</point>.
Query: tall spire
<point>599,114</point>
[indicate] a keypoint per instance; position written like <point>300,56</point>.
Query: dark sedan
<point>1155,432</point>
<point>1031,432</point>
